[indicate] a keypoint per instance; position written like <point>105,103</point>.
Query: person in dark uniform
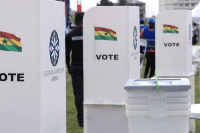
<point>195,34</point>
<point>74,44</point>
<point>148,33</point>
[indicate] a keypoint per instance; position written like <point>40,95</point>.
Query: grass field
<point>72,126</point>
<point>197,99</point>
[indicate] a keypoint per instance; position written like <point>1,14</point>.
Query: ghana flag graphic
<point>105,34</point>
<point>9,42</point>
<point>169,29</point>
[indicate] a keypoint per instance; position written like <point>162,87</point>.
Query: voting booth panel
<point>53,81</point>
<point>174,48</point>
<point>111,56</point>
<point>105,118</point>
<point>32,73</point>
<point>174,43</point>
<point>108,63</point>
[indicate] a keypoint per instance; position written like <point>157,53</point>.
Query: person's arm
<point>142,33</point>
<point>68,50</point>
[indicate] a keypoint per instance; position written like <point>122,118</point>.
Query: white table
<point>195,111</point>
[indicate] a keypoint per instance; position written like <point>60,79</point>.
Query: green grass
<point>198,43</point>
<point>72,125</point>
<point>197,99</point>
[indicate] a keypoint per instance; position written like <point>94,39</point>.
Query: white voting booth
<point>32,71</point>
<point>174,47</point>
<point>111,56</point>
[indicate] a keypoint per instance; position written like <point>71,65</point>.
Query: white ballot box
<point>158,106</point>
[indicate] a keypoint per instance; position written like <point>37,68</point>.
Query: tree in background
<point>122,2</point>
<point>105,3</point>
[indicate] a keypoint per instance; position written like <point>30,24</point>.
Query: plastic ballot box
<point>165,109</point>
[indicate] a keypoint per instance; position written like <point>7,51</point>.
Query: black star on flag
<point>4,41</point>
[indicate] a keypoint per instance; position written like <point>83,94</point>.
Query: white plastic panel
<point>174,50</point>
<point>33,102</point>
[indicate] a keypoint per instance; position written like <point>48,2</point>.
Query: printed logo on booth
<point>54,48</point>
<point>135,38</point>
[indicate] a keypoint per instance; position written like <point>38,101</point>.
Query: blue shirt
<point>149,36</point>
<point>142,27</point>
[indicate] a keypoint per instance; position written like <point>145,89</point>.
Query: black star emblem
<point>106,33</point>
<point>4,41</point>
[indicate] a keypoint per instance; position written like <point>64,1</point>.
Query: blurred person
<point>142,24</point>
<point>74,44</point>
<point>69,21</point>
<point>195,34</point>
<point>148,33</point>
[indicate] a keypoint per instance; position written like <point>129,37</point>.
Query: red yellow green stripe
<point>105,34</point>
<point>104,29</point>
<point>170,29</point>
<point>9,42</point>
<point>9,36</point>
<point>10,48</point>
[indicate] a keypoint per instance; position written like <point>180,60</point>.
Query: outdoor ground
<point>72,126</point>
